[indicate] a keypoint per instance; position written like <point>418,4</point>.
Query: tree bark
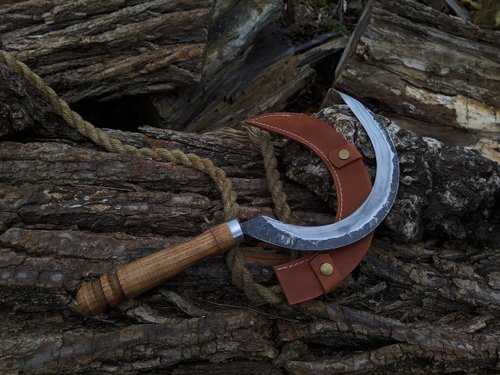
<point>251,67</point>
<point>88,49</point>
<point>250,64</point>
<point>421,63</point>
<point>426,297</point>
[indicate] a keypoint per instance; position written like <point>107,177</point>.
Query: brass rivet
<point>326,269</point>
<point>344,154</point>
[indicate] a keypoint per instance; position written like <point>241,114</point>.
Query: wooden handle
<point>143,274</point>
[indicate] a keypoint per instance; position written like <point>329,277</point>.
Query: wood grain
<point>133,279</point>
<point>421,63</point>
<point>87,50</point>
<point>426,296</point>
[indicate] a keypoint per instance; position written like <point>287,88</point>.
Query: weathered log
<point>251,66</point>
<point>252,91</point>
<point>70,211</point>
<point>421,63</point>
<point>232,37</point>
<point>90,49</point>
<point>239,76</point>
<point>250,63</point>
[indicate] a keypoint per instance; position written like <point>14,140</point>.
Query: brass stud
<point>326,269</point>
<point>344,154</point>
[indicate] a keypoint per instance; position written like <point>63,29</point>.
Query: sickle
<point>318,273</point>
<point>357,225</point>
<point>303,279</point>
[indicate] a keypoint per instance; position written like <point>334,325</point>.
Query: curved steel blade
<point>361,222</point>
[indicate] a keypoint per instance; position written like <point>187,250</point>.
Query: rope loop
<point>241,277</point>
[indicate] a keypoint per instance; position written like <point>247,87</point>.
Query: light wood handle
<point>143,274</point>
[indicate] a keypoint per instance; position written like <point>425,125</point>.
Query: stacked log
<point>420,63</point>
<point>86,50</point>
<point>425,297</point>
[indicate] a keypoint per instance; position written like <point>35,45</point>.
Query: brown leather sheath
<point>305,278</point>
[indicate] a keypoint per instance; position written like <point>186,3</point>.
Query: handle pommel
<point>135,278</point>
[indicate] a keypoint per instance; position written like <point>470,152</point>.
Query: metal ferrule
<point>236,231</point>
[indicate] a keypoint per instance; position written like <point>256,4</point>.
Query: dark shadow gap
<point>126,113</point>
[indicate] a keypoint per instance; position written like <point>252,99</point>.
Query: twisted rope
<point>241,277</point>
<point>262,139</point>
<point>235,260</point>
<point>73,119</point>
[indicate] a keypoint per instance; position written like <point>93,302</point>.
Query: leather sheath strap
<point>320,272</point>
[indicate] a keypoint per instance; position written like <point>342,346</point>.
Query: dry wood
<point>426,296</point>
<point>458,9</point>
<point>421,63</point>
<point>250,67</point>
<point>86,49</point>
<point>249,64</point>
<point>267,91</point>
